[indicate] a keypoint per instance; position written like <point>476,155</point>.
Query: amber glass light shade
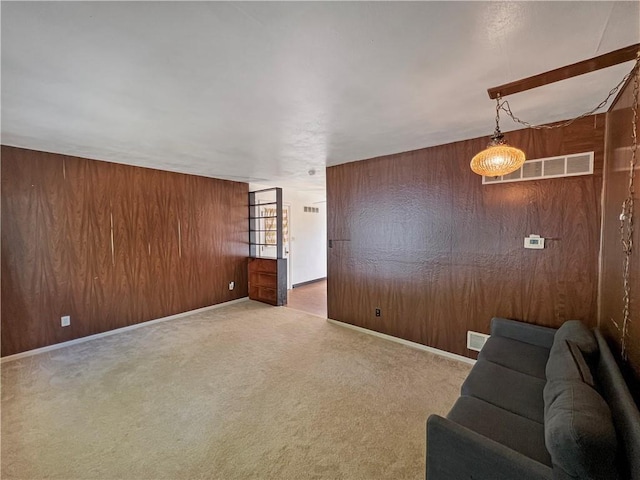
<point>497,159</point>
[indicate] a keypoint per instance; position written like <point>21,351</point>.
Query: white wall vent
<point>552,167</point>
<point>475,340</point>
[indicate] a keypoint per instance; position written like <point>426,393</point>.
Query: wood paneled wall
<point>616,181</point>
<point>417,235</point>
<point>111,245</point>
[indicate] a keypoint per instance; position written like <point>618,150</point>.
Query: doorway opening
<point>310,297</point>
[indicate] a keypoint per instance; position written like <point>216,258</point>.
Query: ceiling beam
<point>610,59</point>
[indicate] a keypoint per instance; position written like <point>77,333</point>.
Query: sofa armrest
<point>523,332</point>
<point>455,453</point>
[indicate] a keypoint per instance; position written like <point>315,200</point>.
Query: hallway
<point>311,298</point>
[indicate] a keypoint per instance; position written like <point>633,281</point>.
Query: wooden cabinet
<point>268,280</point>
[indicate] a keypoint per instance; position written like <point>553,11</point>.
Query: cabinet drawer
<point>268,280</point>
<point>263,265</point>
<point>264,279</point>
<point>268,294</point>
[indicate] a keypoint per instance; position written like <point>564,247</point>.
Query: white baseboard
<point>408,343</point>
<point>76,341</point>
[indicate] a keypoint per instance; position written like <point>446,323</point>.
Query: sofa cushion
<point>519,356</point>
<point>578,357</point>
<point>578,333</point>
<point>523,332</point>
<point>566,362</point>
<point>514,391</point>
<point>578,430</point>
<point>513,431</point>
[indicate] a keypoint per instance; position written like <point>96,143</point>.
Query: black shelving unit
<point>257,200</point>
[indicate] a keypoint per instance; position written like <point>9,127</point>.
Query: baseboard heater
<point>308,282</point>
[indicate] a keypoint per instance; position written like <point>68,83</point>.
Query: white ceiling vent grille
<point>475,340</point>
<point>552,167</point>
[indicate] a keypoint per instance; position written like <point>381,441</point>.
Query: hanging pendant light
<point>498,158</point>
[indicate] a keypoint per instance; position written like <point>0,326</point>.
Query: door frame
<point>287,246</point>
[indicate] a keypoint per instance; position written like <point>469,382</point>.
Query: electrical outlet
<point>65,321</point>
<point>378,313</point>
<point>232,285</point>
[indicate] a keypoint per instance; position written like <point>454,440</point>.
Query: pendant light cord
<point>497,134</point>
<point>507,108</point>
<point>626,221</point>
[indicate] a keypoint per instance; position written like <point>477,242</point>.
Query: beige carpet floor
<point>243,391</point>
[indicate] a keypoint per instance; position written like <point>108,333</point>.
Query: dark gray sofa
<point>539,403</point>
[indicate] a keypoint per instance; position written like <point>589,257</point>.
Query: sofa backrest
<point>624,411</point>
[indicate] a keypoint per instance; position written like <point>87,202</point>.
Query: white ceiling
<point>264,92</point>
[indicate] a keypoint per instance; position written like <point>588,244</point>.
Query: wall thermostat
<point>534,241</point>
